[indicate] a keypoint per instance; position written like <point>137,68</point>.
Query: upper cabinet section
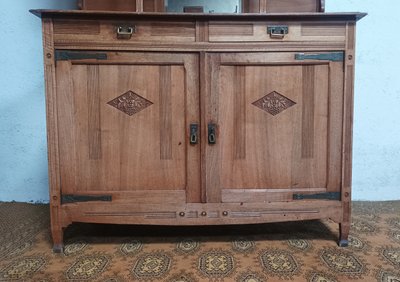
<point>205,6</point>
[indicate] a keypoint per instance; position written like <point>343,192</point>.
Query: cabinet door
<point>123,125</point>
<point>278,121</point>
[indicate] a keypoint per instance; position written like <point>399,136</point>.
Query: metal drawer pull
<point>125,32</point>
<point>277,31</point>
<point>194,139</point>
<point>212,139</point>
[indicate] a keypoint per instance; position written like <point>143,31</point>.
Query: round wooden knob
<point>225,213</point>
<point>182,214</point>
<point>203,213</point>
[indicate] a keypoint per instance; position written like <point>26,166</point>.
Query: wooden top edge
<point>353,16</point>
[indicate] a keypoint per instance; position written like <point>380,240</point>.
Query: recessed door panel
<point>124,123</point>
<point>274,122</point>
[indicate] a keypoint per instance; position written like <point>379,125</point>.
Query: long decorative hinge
<point>69,199</point>
<point>70,55</point>
<point>334,196</point>
<point>333,57</point>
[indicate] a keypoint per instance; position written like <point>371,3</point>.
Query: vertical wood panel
<point>348,131</point>
<point>351,36</point>
<point>348,128</point>
<point>94,119</point>
<point>212,116</point>
<point>52,136</point>
<point>263,6</point>
<point>192,103</point>
<point>202,31</point>
<point>307,136</point>
<point>336,78</point>
<point>204,67</point>
<point>165,113</point>
<point>239,132</point>
<point>67,124</point>
<point>139,5</point>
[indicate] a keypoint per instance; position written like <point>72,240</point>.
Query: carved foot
<point>58,248</point>
<point>343,243</point>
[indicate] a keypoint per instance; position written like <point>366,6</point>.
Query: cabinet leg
<point>344,230</point>
<point>58,243</point>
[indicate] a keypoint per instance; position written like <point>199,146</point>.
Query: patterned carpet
<point>300,251</point>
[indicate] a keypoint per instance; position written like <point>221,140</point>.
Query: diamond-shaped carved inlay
<point>130,103</point>
<point>274,103</point>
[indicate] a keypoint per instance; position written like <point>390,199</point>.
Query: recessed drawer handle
<point>125,32</point>
<point>278,31</point>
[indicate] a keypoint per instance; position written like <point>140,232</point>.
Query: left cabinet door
<point>124,125</point>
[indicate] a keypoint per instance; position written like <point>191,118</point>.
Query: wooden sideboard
<point>198,119</point>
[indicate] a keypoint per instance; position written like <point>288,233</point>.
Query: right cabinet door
<point>278,125</point>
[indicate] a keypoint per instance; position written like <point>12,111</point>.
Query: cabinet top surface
<point>351,16</point>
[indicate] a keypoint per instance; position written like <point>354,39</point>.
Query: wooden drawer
<point>258,32</point>
<point>106,31</point>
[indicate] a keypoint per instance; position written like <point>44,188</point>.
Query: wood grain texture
<point>265,195</point>
<point>165,112</point>
<point>153,6</point>
<point>348,133</point>
<point>248,6</point>
<point>323,29</point>
<point>94,119</point>
<point>301,6</point>
<point>272,142</point>
<point>76,27</point>
<point>239,108</point>
<point>212,116</point>
<point>308,112</point>
<point>151,142</point>
<point>52,134</point>
<point>106,5</point>
<point>203,214</point>
<point>256,31</point>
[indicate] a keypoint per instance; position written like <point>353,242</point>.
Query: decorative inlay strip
<point>274,103</point>
<point>307,137</point>
<point>239,98</point>
<point>165,113</point>
<point>94,112</point>
<point>130,103</point>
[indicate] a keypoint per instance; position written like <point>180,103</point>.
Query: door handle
<point>212,137</point>
<point>194,135</point>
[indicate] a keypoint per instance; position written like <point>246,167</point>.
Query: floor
<point>297,251</point>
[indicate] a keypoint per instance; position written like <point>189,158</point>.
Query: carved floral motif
<point>130,103</point>
<point>274,103</point>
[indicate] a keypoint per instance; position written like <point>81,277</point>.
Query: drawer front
<point>258,32</point>
<point>106,31</point>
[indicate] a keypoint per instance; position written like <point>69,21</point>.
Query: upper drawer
<point>106,31</point>
<point>260,31</point>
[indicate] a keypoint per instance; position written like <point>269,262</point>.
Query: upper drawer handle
<point>125,32</point>
<point>277,31</point>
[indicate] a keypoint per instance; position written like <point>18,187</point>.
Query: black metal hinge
<point>69,199</point>
<point>70,55</point>
<point>334,196</point>
<point>333,57</point>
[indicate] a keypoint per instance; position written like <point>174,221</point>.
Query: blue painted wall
<point>23,159</point>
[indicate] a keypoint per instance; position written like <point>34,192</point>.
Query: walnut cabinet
<point>196,119</point>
